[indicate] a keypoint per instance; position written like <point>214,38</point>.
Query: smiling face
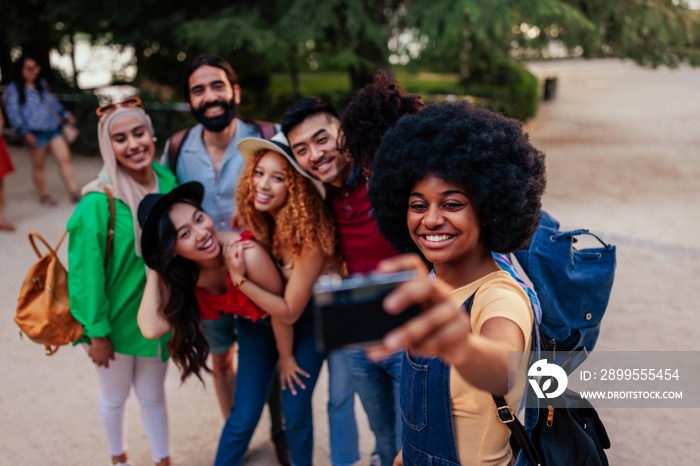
<point>444,223</point>
<point>269,183</point>
<point>314,144</point>
<point>213,98</point>
<point>133,144</point>
<point>195,233</point>
<point>30,70</point>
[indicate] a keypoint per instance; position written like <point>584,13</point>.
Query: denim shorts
<point>43,138</point>
<point>221,333</point>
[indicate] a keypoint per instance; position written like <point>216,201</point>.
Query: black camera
<point>349,311</point>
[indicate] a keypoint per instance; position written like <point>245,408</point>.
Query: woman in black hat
<point>184,252</point>
<point>284,209</point>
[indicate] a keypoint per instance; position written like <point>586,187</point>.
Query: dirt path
<point>623,157</point>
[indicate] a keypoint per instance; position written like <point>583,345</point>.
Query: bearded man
<point>208,153</point>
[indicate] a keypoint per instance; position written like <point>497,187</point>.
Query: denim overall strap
<point>427,429</point>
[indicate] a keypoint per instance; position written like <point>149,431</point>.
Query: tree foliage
<point>476,38</point>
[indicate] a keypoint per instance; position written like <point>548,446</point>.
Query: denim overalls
<point>427,427</point>
<point>428,430</point>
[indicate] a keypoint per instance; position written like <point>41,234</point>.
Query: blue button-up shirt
<point>39,112</point>
<point>194,164</point>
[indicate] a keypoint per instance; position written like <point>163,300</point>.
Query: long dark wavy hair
<point>188,346</point>
<point>18,79</point>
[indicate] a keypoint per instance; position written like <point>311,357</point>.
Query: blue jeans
<point>378,385</point>
<point>345,445</point>
<point>257,361</point>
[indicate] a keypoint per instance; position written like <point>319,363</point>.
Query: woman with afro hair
<point>453,184</point>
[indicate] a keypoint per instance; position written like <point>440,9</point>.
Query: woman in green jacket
<point>105,297</point>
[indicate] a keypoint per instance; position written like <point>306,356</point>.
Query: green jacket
<point>106,300</point>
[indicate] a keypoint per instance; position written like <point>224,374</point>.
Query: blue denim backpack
<point>573,285</point>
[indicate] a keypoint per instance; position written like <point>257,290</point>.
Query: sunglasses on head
<point>130,102</point>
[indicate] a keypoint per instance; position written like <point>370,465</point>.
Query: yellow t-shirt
<point>481,438</point>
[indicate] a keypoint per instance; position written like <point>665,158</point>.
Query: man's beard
<point>219,123</point>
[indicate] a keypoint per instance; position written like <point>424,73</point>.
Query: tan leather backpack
<point>43,309</point>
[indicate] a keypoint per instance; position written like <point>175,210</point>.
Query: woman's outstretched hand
<point>442,329</point>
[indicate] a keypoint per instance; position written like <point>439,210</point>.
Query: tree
<point>349,34</point>
<point>478,38</point>
<point>650,32</point>
<point>24,24</point>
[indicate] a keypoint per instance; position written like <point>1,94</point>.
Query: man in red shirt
<point>311,125</point>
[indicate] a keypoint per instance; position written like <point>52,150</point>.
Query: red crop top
<point>234,301</point>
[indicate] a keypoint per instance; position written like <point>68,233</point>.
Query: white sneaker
<point>374,459</point>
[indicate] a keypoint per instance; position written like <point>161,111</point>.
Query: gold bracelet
<point>239,283</point>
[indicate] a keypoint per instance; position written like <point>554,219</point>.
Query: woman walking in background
<point>105,297</point>
<point>36,115</point>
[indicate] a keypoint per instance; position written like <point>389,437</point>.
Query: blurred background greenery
<point>284,49</point>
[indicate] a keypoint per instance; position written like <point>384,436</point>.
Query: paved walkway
<point>623,158</point>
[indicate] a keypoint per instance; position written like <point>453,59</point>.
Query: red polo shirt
<point>361,245</point>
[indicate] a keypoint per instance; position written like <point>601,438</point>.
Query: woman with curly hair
<point>454,183</point>
<point>284,210</point>
<point>373,111</point>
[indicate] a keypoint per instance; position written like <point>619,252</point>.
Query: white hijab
<point>122,185</point>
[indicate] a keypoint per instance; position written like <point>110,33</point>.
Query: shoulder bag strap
<point>517,430</point>
<point>507,417</point>
<point>110,230</point>
<point>176,141</point>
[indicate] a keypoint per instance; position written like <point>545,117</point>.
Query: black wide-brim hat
<point>152,208</point>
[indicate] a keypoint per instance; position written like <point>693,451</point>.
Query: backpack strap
<point>34,234</point>
<point>517,430</point>
<point>267,128</point>
<point>110,230</point>
<point>507,417</point>
<point>176,141</point>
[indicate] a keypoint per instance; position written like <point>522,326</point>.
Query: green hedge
<point>518,98</point>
